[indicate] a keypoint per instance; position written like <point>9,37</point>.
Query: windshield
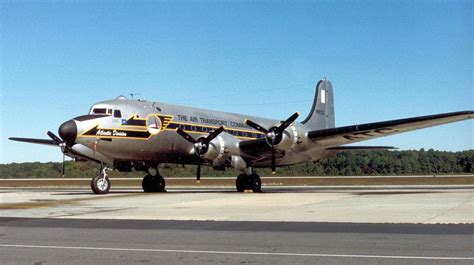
<point>99,111</point>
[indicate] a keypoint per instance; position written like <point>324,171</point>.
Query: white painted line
<point>239,252</point>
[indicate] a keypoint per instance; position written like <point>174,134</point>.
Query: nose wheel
<point>154,183</point>
<point>101,184</point>
<point>248,182</point>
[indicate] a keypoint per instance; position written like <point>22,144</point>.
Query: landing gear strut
<point>153,183</point>
<point>248,182</point>
<point>101,184</point>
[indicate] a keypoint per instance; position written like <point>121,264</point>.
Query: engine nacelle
<point>290,138</point>
<point>221,148</point>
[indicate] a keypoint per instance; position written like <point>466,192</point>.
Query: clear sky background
<point>386,60</point>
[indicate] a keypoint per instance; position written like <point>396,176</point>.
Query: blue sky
<point>386,59</point>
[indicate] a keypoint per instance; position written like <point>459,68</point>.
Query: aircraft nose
<point>68,132</point>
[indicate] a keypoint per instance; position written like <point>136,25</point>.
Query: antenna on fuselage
<point>133,94</point>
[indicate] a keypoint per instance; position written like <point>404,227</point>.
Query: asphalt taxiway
<point>89,241</point>
<point>215,225</point>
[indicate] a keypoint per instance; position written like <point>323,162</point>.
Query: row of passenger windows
<point>207,130</point>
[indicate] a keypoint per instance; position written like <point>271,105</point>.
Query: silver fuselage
<point>107,138</point>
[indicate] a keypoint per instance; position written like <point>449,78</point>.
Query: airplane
<point>125,134</point>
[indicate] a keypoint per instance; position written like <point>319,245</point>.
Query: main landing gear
<point>100,184</point>
<point>248,182</point>
<point>153,182</point>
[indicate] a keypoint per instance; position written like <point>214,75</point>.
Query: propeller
<point>274,134</point>
<point>62,145</point>
<point>201,145</point>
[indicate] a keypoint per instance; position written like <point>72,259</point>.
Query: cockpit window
<point>117,113</point>
<point>99,111</point>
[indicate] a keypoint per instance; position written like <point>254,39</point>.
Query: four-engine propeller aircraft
<point>123,134</point>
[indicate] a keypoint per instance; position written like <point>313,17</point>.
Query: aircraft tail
<point>321,115</point>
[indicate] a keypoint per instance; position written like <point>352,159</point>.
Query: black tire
<point>256,183</point>
<point>100,185</point>
<point>240,182</point>
<point>153,184</point>
<point>146,186</point>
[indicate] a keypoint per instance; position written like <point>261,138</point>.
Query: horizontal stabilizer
<point>360,148</point>
<point>34,141</point>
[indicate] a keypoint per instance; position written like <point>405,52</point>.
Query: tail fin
<point>321,115</point>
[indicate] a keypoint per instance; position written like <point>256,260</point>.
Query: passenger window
<point>109,111</point>
<point>117,114</point>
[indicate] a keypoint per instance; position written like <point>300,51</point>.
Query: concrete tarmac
<point>297,204</point>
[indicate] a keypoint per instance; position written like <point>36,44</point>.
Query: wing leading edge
<point>355,133</point>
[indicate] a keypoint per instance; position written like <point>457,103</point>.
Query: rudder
<point>321,115</point>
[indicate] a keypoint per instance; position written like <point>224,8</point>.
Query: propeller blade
<point>213,134</point>
<point>186,136</point>
<point>198,173</point>
<point>273,159</point>
<point>274,133</point>
<point>56,139</point>
<point>288,122</point>
<point>256,126</point>
<point>203,142</point>
<point>64,166</point>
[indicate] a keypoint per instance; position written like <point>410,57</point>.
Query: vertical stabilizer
<point>321,115</point>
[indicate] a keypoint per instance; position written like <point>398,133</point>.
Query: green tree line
<point>412,162</point>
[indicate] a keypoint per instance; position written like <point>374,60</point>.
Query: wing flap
<point>355,133</point>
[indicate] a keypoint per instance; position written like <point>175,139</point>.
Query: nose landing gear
<point>101,184</point>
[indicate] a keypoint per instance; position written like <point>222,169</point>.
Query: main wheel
<point>240,182</point>
<point>153,183</point>
<point>100,185</point>
<point>255,183</point>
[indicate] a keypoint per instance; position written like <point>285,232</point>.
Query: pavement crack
<point>92,212</point>
<point>444,212</point>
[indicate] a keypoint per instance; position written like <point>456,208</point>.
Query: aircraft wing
<point>355,133</point>
<point>34,141</point>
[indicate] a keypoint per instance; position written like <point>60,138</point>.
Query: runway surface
<point>86,241</point>
<point>215,225</point>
